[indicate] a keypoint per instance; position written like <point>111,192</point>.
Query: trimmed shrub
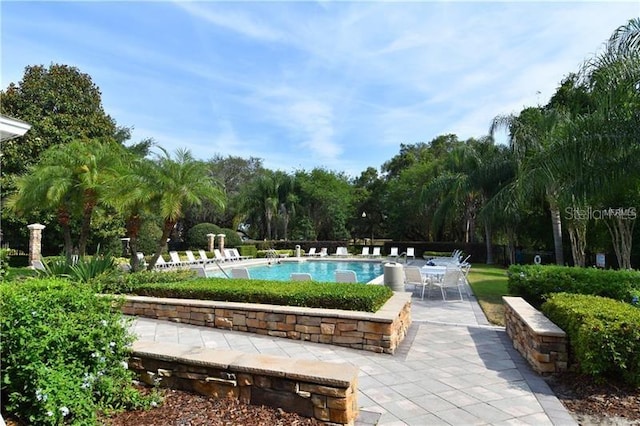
<point>534,282</point>
<point>63,354</point>
<point>127,282</point>
<point>232,238</point>
<point>352,297</point>
<point>248,250</point>
<point>604,334</point>
<point>197,235</point>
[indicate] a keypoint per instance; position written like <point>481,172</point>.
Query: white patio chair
<point>230,255</point>
<point>312,252</point>
<point>240,273</point>
<point>452,279</point>
<point>323,252</point>
<point>346,276</point>
<point>413,277</point>
<point>299,276</point>
<point>219,256</point>
<point>376,252</point>
<point>236,254</point>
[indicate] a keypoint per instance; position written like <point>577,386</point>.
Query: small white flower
<point>104,322</point>
<point>40,396</point>
<point>85,385</point>
<point>95,354</point>
<point>34,313</point>
<point>64,411</point>
<point>49,413</point>
<point>154,404</point>
<point>125,365</point>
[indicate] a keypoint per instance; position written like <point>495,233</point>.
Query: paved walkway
<point>453,368</point>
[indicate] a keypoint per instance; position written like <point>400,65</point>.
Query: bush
<point>534,282</point>
<point>197,235</point>
<point>232,238</point>
<point>265,253</point>
<point>604,334</point>
<point>63,354</point>
<point>248,250</point>
<point>126,282</point>
<point>4,263</point>
<point>83,270</point>
<point>353,297</point>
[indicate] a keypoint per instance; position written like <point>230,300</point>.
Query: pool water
<point>319,270</point>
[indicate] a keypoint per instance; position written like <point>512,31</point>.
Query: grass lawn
<point>489,284</point>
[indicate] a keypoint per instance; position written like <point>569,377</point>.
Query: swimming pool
<point>320,270</point>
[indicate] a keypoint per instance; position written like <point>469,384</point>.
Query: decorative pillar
<point>35,242</point>
<point>221,243</point>
<point>211,239</point>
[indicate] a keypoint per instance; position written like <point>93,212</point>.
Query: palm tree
<point>176,184</point>
<point>532,132</point>
<point>71,180</point>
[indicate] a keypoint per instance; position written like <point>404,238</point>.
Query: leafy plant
<point>4,263</point>
<point>63,354</point>
<point>127,282</point>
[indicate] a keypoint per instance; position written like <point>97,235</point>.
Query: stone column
<point>221,243</point>
<point>212,238</point>
<point>35,242</point>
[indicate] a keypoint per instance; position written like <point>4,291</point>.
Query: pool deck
<point>453,368</point>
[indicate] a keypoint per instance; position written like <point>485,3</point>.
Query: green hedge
<point>354,297</point>
<point>248,250</point>
<point>534,282</point>
<point>604,334</point>
<point>126,282</point>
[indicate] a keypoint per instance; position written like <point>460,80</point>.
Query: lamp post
<point>364,216</point>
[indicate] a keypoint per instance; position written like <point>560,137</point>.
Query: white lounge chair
<point>240,273</point>
<point>312,252</point>
<point>175,259</point>
<point>376,252</point>
<point>411,253</point>
<point>346,276</point>
<point>323,252</point>
<point>191,258</point>
<point>365,252</point>
<point>300,276</point>
<point>219,256</point>
<point>394,253</point>
<point>413,277</point>
<point>236,254</point>
<point>341,252</point>
<point>204,258</point>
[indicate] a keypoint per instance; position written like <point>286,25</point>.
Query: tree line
<point>568,173</point>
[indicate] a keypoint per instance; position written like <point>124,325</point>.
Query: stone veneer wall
<point>322,390</point>
<point>541,342</point>
<point>381,331</point>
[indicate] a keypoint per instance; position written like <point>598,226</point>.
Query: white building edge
<point>12,128</point>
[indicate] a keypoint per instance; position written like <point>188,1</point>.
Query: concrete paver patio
<point>453,368</point>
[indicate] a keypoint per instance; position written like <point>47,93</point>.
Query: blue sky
<point>338,85</point>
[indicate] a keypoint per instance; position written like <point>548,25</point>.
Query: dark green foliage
<point>534,282</point>
<point>248,250</point>
<point>197,235</point>
<point>604,334</point>
<point>353,297</point>
<point>126,282</point>
<point>63,354</point>
<point>85,269</point>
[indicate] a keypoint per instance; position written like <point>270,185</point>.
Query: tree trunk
<point>166,231</point>
<point>85,229</point>
<point>556,225</point>
<point>133,230</point>
<point>63,220</point>
<point>621,230</point>
<point>578,236</point>
<point>489,242</point>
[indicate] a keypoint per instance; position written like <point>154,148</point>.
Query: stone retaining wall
<point>322,390</point>
<point>541,342</point>
<point>381,331</point>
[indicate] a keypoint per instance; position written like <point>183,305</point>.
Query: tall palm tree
<point>177,183</point>
<point>532,132</point>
